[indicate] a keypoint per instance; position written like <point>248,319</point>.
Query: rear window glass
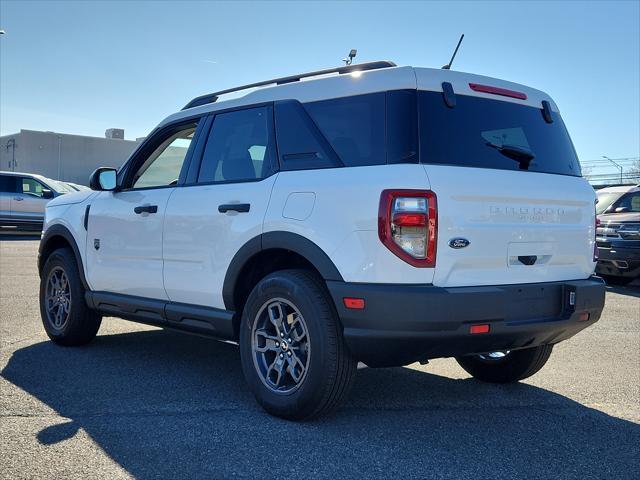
<point>486,133</point>
<point>371,129</point>
<point>354,127</point>
<point>8,184</point>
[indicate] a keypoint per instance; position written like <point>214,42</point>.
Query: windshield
<point>605,200</point>
<point>59,186</point>
<point>485,133</point>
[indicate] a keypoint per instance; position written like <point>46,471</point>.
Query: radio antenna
<point>448,65</point>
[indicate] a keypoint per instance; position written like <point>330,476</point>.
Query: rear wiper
<point>521,155</point>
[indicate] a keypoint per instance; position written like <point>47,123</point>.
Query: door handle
<point>146,209</point>
<point>18,199</point>
<point>234,207</point>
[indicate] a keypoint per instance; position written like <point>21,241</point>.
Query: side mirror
<point>103,178</point>
<point>622,210</point>
<point>46,193</point>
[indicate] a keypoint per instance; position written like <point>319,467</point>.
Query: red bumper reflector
<point>497,91</point>
<point>481,328</point>
<point>354,303</point>
<point>584,316</point>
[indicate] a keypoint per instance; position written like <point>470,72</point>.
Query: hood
<point>630,217</point>
<point>71,198</point>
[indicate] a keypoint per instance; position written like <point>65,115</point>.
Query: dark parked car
<point>618,234</point>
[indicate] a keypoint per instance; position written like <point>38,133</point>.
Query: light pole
<point>616,164</point>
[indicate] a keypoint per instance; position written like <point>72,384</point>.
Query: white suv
<point>367,213</point>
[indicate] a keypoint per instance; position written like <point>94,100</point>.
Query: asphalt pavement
<point>140,402</point>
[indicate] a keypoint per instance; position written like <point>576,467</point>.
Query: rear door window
<point>8,184</point>
<point>486,133</point>
<point>240,147</point>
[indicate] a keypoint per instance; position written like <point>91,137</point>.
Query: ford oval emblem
<point>459,243</point>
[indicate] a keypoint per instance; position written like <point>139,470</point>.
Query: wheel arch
<point>59,236</point>
<point>282,250</point>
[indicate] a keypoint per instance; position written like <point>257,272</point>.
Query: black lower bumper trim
<point>401,324</point>
<point>619,261</point>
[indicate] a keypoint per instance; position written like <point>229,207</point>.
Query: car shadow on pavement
<point>628,290</point>
<point>167,405</point>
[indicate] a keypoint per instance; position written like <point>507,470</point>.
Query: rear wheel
<point>506,367</point>
<point>65,315</point>
<point>293,354</point>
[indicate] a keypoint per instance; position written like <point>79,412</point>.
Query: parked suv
<point>23,197</point>
<point>618,234</point>
<point>367,213</point>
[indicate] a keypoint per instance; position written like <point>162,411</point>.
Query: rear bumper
<point>401,324</point>
<point>619,261</point>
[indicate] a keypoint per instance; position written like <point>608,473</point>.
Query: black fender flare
<point>50,234</point>
<point>276,240</point>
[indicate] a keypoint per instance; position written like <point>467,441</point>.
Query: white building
<point>71,158</point>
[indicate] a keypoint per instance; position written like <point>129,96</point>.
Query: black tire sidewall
<point>320,320</point>
<point>79,312</point>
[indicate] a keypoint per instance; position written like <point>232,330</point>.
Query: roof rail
<point>212,97</point>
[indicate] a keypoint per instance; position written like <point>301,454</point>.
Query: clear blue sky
<point>81,67</point>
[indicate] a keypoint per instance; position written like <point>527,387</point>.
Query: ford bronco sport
<point>368,213</point>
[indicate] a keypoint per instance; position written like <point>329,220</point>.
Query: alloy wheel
<point>58,298</point>
<point>280,346</point>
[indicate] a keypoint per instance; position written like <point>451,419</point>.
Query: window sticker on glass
<point>506,136</point>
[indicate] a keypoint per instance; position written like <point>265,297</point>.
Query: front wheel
<point>65,315</point>
<point>506,367</point>
<point>293,354</point>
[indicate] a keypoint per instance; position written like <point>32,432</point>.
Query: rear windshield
<point>484,133</point>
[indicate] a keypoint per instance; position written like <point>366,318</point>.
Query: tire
<point>621,281</point>
<point>70,322</point>
<point>512,367</point>
<point>271,365</point>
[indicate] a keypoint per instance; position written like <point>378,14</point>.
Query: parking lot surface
<point>140,402</point>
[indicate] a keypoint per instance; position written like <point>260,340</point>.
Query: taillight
<point>407,225</point>
<point>595,236</point>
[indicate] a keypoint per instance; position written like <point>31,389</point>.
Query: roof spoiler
<point>361,67</point>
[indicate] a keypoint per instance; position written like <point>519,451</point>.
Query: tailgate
<point>521,227</point>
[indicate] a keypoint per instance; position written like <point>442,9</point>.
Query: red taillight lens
<point>497,91</point>
<point>410,219</point>
<point>407,225</point>
<point>596,254</point>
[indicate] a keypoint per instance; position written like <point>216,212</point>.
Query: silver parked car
<point>23,197</point>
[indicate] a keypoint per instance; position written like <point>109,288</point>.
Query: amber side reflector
<point>481,328</point>
<point>584,316</point>
<point>354,303</point>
